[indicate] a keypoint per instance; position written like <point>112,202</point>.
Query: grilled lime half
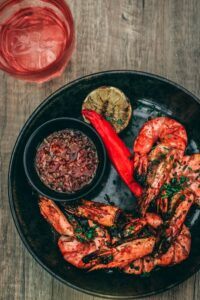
<point>111,103</point>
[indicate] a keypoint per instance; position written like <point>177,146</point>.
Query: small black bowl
<point>37,138</point>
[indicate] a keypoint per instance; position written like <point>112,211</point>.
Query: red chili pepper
<point>118,153</point>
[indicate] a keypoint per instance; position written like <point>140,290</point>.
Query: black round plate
<point>150,96</point>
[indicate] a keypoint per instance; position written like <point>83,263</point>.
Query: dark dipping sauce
<point>66,161</point>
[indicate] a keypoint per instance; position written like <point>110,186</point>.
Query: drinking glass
<point>36,38</point>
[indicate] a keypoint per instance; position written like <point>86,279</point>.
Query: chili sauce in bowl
<point>65,159</point>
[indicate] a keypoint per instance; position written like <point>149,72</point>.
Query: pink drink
<point>36,38</point>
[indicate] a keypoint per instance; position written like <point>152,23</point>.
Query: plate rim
<point>11,198</point>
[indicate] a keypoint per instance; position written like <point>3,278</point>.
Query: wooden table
<point>158,36</point>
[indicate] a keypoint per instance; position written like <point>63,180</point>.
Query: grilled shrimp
<point>123,254</point>
<point>178,251</point>
<point>157,175</point>
<point>180,206</point>
<point>178,195</point>
<point>155,164</point>
<point>51,212</point>
<point>73,251</point>
<point>190,168</point>
<point>195,187</point>
<point>73,244</point>
<point>184,174</point>
<point>166,132</point>
<point>60,222</point>
<point>76,252</point>
<point>100,213</point>
<point>102,238</point>
<point>153,220</point>
<point>135,225</point>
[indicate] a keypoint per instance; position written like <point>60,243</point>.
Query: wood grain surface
<point>157,36</point>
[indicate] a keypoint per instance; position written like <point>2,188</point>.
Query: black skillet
<point>150,96</point>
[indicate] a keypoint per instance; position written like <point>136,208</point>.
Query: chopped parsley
<point>107,197</point>
<point>111,119</point>
<point>156,161</point>
<point>163,156</point>
<point>91,233</point>
<point>173,187</point>
<point>78,230</point>
<point>132,227</point>
<point>129,230</point>
<point>183,179</point>
<point>108,118</point>
<point>119,122</point>
<point>182,197</point>
<point>83,235</point>
<point>70,217</point>
<point>80,238</point>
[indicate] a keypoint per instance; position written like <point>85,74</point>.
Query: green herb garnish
<point>107,198</point>
<point>162,156</point>
<point>183,179</point>
<point>108,118</point>
<point>119,122</point>
<point>132,227</point>
<point>156,161</point>
<point>182,197</point>
<point>91,233</point>
<point>78,230</point>
<point>173,187</point>
<point>70,217</point>
<point>81,239</point>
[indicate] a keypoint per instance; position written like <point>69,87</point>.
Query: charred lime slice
<point>111,103</point>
